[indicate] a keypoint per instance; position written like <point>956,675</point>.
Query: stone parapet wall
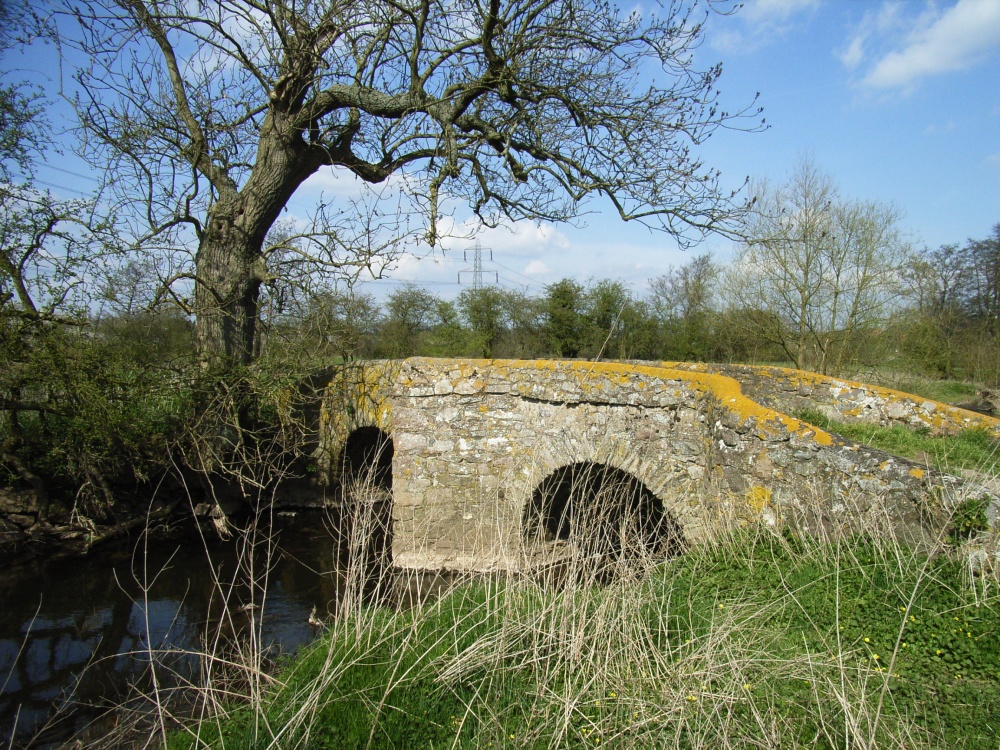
<point>473,439</point>
<point>830,488</point>
<point>793,391</point>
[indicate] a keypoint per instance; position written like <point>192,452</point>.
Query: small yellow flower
<point>722,606</point>
<point>939,652</point>
<point>691,698</point>
<point>746,686</point>
<point>876,657</point>
<point>612,694</point>
<point>867,640</point>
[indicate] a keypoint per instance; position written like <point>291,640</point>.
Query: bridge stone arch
<point>666,451</point>
<point>366,458</point>
<point>357,398</point>
<point>364,483</point>
<point>355,457</point>
<point>600,513</point>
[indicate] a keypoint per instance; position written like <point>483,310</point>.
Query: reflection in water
<point>76,634</point>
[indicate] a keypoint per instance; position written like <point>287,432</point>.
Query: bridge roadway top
<point>475,442</point>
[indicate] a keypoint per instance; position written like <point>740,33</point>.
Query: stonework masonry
<point>473,439</point>
<point>793,391</point>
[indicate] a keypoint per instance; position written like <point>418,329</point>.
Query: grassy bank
<point>760,640</point>
<point>974,448</point>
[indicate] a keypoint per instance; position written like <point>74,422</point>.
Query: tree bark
<point>227,291</point>
<point>230,263</point>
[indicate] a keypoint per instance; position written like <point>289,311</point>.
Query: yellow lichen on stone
<point>758,498</point>
<point>918,473</point>
<point>591,376</point>
<point>358,396</point>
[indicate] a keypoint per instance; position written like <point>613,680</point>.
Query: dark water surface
<point>76,633</point>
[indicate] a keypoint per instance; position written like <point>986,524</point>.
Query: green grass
<point>945,391</point>
<point>762,640</point>
<point>974,448</point>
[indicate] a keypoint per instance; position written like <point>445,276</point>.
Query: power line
<point>61,187</point>
<point>409,281</point>
<point>517,273</point>
<point>90,178</point>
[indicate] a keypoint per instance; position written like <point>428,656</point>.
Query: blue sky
<point>897,100</point>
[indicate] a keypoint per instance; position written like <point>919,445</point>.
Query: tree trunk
<point>230,260</point>
<point>227,292</point>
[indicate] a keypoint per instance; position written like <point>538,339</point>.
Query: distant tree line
<point>932,312</point>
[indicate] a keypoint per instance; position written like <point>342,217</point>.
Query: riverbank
<point>100,642</point>
<point>173,505</point>
<point>760,639</point>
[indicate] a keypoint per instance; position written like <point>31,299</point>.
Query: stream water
<point>77,634</point>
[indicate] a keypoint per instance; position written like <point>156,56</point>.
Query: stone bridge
<point>488,464</point>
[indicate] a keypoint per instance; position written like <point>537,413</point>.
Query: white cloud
<point>761,22</point>
<point>524,238</point>
<point>537,268</point>
<point>888,21</point>
<point>772,12</point>
<point>335,183</point>
<point>941,128</point>
<point>854,54</point>
<point>940,42</point>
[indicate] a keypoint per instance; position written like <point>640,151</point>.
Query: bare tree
<point>210,115</point>
<point>826,269</point>
<point>935,283</point>
<point>685,291</point>
<point>682,300</point>
<point>984,281</point>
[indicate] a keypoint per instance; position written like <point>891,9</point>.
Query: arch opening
<point>365,479</point>
<point>602,515</point>
<point>366,460</point>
